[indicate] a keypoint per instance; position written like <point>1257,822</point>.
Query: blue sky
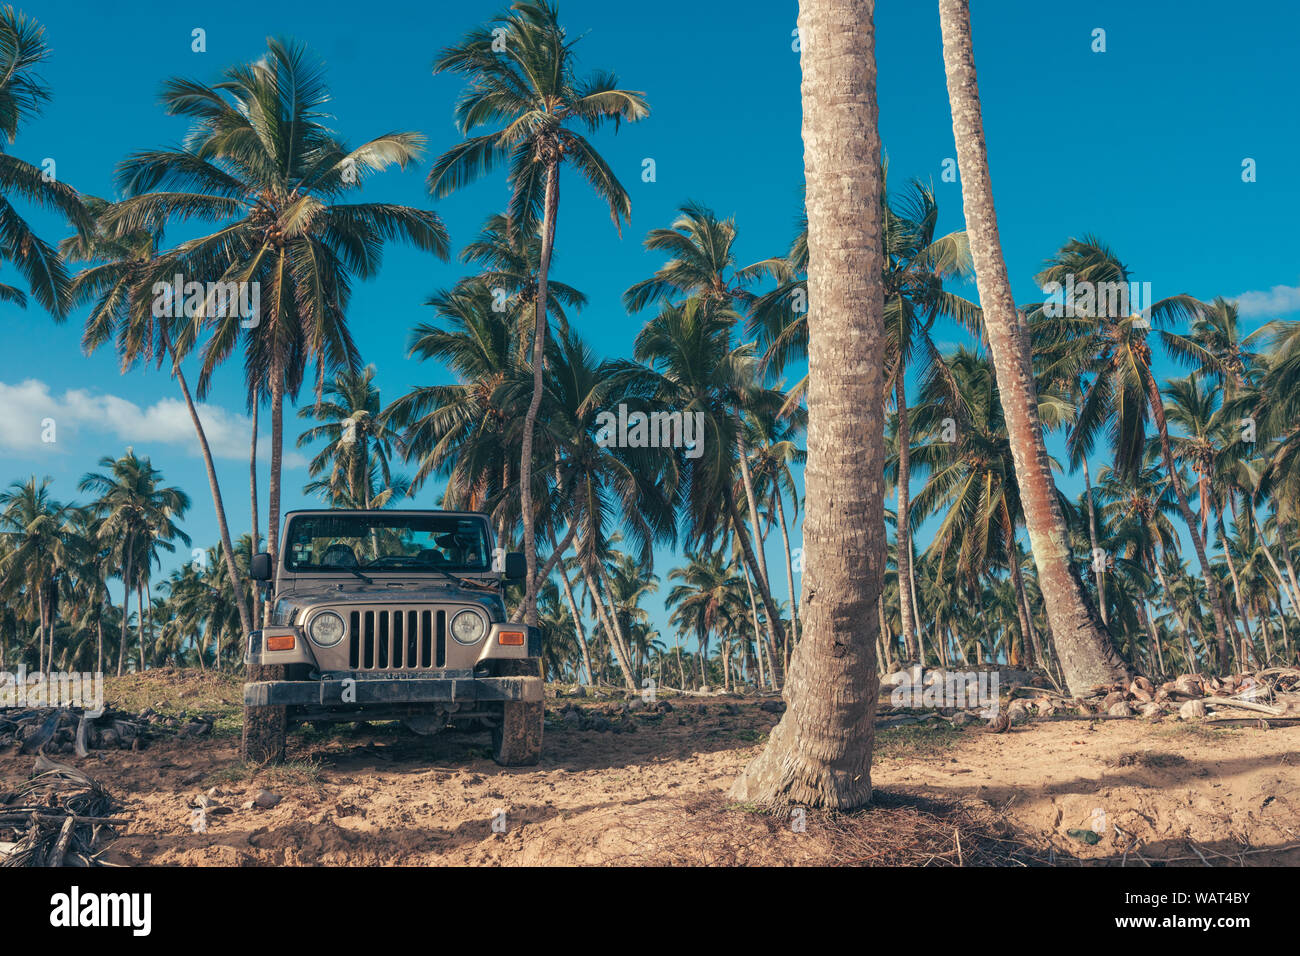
<point>1142,144</point>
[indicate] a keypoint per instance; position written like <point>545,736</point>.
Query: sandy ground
<point>1165,791</point>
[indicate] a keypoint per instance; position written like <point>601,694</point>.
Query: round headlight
<point>326,629</point>
<point>467,627</point>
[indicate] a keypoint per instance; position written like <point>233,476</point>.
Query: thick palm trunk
<point>1087,656</point>
<point>903,538</point>
<point>217,504</point>
<point>535,403</point>
<point>1180,492</point>
<point>820,752</point>
<point>1098,569</point>
<point>775,629</point>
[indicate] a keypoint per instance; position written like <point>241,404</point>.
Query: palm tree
<point>820,752</point>
<point>521,73</point>
<point>702,267</point>
<point>597,486</point>
<point>701,262</point>
<point>33,524</point>
<point>1087,656</point>
<point>259,161</point>
<point>461,430</point>
<point>1112,352</point>
<point>358,442</point>
<point>138,517</point>
<point>509,259</point>
<point>23,94</point>
<point>90,554</point>
<point>917,263</point>
<point>972,475</point>
<point>698,604</point>
<point>112,284</point>
<point>691,368</point>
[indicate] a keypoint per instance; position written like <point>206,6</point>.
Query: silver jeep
<point>392,615</point>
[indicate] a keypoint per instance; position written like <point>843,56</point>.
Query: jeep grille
<point>397,639</point>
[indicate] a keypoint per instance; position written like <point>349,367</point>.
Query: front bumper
<point>344,692</point>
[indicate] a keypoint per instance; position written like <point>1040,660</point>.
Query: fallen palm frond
<point>60,817</point>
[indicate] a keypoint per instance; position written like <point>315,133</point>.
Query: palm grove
<point>1179,555</point>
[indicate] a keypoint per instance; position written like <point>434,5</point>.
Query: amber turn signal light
<point>280,642</point>
<point>511,638</point>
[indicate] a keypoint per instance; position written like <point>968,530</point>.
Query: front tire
<point>266,729</point>
<point>517,740</point>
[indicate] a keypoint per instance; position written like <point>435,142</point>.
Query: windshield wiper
<point>360,575</point>
<point>463,582</point>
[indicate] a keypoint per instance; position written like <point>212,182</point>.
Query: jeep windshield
<point>347,543</point>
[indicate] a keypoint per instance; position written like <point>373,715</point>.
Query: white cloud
<point>1278,300</point>
<point>80,417</point>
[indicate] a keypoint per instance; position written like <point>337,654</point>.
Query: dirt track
<point>657,795</point>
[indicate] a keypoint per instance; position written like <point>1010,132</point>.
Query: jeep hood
<point>304,595</point>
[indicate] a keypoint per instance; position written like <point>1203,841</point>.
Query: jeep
<point>392,615</point>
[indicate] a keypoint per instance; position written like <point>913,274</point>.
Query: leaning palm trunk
<point>578,630</point>
<point>1282,587</point>
<point>1087,656</point>
<point>1029,636</point>
<point>244,617</point>
<point>603,615</point>
<point>820,752</point>
<point>775,630</point>
<point>759,558</point>
<point>535,403</point>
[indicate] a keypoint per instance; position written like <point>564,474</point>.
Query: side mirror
<point>259,568</point>
<point>516,566</point>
